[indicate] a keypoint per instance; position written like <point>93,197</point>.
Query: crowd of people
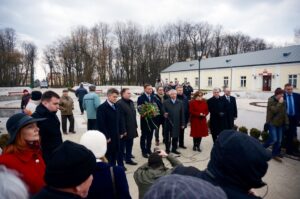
<point>94,168</point>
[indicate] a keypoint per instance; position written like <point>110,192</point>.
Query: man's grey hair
<point>172,91</point>
<point>11,187</point>
<point>92,87</point>
<point>216,89</point>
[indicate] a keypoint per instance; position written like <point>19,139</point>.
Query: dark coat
<point>142,100</point>
<point>231,111</point>
<point>102,186</point>
<point>185,102</point>
<point>188,90</point>
<point>160,119</point>
<point>276,113</point>
<point>218,120</point>
<point>128,115</point>
<point>175,119</point>
<point>296,97</point>
<point>49,193</point>
<point>24,101</point>
<point>80,93</point>
<point>235,172</point>
<point>49,130</point>
<point>110,124</point>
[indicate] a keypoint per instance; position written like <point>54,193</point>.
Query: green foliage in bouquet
<point>149,111</point>
<point>255,133</point>
<point>243,129</point>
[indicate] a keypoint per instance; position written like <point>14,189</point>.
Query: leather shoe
<point>175,152</point>
<point>132,156</point>
<point>131,163</point>
<point>194,148</point>
<point>65,133</point>
<point>145,155</point>
<point>183,147</point>
<point>278,159</point>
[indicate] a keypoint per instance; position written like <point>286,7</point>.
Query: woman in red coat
<point>198,112</point>
<point>23,153</point>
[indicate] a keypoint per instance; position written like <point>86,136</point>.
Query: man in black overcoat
<point>174,121</point>
<point>231,108</point>
<point>147,129</point>
<point>217,109</point>
<point>128,115</point>
<point>50,128</point>
<point>111,125</point>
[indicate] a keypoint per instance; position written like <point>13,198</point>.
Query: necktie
<point>149,97</point>
<point>113,106</point>
<point>228,98</point>
<point>291,108</point>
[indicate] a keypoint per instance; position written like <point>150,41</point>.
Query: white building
<point>263,70</point>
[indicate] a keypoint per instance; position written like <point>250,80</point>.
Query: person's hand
<point>201,114</point>
<point>125,134</point>
<point>182,127</point>
<point>281,100</point>
<point>109,140</point>
<point>166,115</point>
<point>162,153</point>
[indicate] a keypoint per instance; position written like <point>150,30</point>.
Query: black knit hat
<point>69,166</point>
<point>36,95</point>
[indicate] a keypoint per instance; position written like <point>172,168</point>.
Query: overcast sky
<point>44,21</point>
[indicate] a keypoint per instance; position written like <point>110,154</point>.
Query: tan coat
<point>66,105</point>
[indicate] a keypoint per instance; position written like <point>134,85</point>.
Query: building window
<point>185,80</point>
<point>243,81</point>
<point>226,81</point>
<point>166,80</point>
<point>293,80</point>
<point>209,83</point>
<point>196,81</point>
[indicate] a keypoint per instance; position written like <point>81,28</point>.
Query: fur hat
<point>94,141</point>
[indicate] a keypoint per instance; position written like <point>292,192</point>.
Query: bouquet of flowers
<point>149,111</point>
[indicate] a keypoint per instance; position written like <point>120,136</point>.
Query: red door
<point>267,83</point>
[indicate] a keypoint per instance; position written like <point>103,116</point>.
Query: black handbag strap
<point>113,181</point>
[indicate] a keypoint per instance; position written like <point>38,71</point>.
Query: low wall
<point>7,112</point>
<point>9,98</point>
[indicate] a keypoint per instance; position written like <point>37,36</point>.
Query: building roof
<point>289,54</point>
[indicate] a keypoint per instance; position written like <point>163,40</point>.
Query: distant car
<point>44,84</point>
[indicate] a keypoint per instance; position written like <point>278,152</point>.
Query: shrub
<point>254,132</point>
<point>243,129</point>
<point>264,136</point>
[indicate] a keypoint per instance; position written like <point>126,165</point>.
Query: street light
<point>199,54</point>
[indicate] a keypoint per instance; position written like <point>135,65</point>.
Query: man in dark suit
<point>293,111</point>
<point>146,128</point>
<point>231,108</point>
<point>110,124</point>
<point>217,109</point>
<point>185,102</point>
<point>160,97</point>
<point>174,122</point>
<point>129,117</point>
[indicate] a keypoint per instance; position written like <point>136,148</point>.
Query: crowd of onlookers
<point>36,163</point>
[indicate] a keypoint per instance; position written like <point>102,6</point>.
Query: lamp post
<point>199,54</point>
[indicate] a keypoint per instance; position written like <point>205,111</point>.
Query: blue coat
<point>102,186</point>
<point>90,103</point>
<point>80,93</point>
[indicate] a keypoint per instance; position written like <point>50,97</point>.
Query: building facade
<point>263,70</point>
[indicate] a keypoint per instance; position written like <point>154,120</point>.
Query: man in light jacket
<point>90,104</point>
